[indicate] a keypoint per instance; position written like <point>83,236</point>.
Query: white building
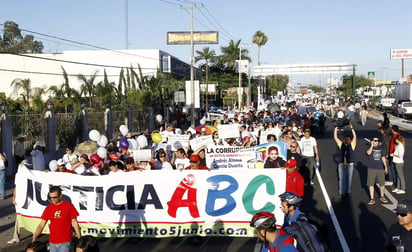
<point>45,70</point>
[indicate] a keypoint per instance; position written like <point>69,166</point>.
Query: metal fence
<point>34,126</point>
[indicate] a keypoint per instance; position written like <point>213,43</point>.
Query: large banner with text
<point>156,203</point>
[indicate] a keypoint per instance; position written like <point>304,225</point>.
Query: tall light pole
<point>239,96</point>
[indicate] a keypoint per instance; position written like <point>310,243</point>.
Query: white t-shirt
<point>165,166</point>
<point>182,163</point>
<point>306,146</point>
<point>399,151</point>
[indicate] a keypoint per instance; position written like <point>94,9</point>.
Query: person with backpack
<point>296,224</point>
<point>274,239</point>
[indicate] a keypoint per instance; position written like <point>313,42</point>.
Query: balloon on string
<point>124,143</point>
<point>159,118</point>
<point>156,137</point>
<point>202,121</point>
<point>94,135</point>
<point>103,141</point>
<point>142,140</point>
<point>123,129</point>
<point>102,152</point>
<point>53,165</point>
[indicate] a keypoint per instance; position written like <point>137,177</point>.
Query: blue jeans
<point>3,183</point>
<point>345,178</point>
<point>61,247</point>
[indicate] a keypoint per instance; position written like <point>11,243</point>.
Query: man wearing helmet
<point>274,239</point>
<point>290,203</point>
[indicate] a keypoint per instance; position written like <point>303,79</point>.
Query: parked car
<point>405,109</point>
<point>395,109</point>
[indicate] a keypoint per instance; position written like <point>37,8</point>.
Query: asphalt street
<point>358,226</point>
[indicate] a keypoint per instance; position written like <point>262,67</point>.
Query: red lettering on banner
<point>177,201</point>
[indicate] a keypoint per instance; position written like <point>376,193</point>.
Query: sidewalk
<point>7,219</point>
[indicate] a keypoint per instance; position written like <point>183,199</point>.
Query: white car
<point>405,109</point>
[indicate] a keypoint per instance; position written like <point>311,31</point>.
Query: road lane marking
<point>338,229</point>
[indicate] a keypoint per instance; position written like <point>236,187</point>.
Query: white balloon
<point>103,141</point>
<point>159,118</point>
<point>94,135</point>
<point>142,141</point>
<point>202,121</point>
<point>102,152</point>
<point>133,144</point>
<point>53,165</point>
<point>123,129</point>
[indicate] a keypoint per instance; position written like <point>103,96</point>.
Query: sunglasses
<point>376,141</point>
<point>401,214</point>
<point>56,197</point>
<point>292,146</point>
<point>162,156</point>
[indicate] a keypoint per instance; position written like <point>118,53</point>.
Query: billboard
<point>199,37</point>
<point>401,53</point>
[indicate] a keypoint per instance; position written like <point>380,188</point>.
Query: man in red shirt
<point>63,219</point>
<point>195,163</point>
<point>294,181</point>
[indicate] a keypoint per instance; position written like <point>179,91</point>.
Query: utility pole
<point>192,74</point>
<point>353,81</point>
<point>239,96</point>
<point>126,17</point>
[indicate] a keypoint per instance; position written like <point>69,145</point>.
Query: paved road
<point>363,227</point>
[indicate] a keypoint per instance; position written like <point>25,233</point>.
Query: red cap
<point>291,163</point>
<point>194,158</point>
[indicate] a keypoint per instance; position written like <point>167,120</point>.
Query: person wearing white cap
<point>38,157</point>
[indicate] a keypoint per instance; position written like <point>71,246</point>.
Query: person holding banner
<point>294,181</point>
<point>195,163</point>
<point>63,219</point>
<point>180,161</point>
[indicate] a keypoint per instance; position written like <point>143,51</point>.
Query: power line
<point>83,44</point>
<point>217,22</point>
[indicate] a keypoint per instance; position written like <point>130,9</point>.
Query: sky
<point>360,32</point>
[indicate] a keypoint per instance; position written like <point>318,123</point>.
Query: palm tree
<point>88,85</point>
<point>230,54</point>
<point>25,86</point>
<point>260,40</point>
<point>208,56</point>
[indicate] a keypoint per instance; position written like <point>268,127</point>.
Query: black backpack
<point>307,235</point>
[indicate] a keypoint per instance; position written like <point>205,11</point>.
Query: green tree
<point>260,39</point>
<point>317,89</point>
<point>276,83</point>
<point>23,88</point>
<point>360,81</point>
<point>13,42</point>
<point>208,56</point>
<point>231,52</point>
<point>88,86</point>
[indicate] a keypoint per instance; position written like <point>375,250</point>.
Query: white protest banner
<point>199,142</point>
<point>228,131</point>
<point>142,155</point>
<point>178,141</point>
<point>218,157</point>
<point>156,203</point>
